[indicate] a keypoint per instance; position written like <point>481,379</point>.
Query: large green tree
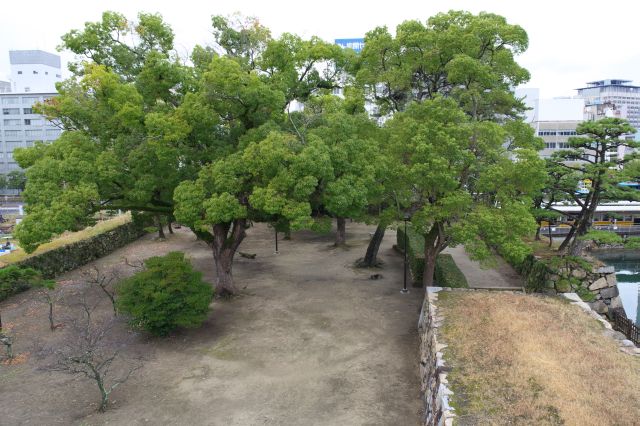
<point>458,55</point>
<point>138,122</point>
<point>353,142</point>
<point>592,157</point>
<point>458,181</point>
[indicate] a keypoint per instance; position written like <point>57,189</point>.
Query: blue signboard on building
<point>350,43</point>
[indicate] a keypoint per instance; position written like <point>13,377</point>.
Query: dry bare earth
<point>529,360</point>
<point>311,341</point>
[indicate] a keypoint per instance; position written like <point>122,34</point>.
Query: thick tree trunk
<point>429,266</point>
<point>160,230</point>
<point>169,226</point>
<point>341,231</point>
<point>568,238</point>
<point>537,238</point>
<point>224,248</point>
<point>434,243</point>
<point>371,257</point>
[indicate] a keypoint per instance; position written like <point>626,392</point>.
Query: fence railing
<point>564,230</point>
<point>625,326</point>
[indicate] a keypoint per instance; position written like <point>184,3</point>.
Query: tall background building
<point>612,95</point>
<point>33,77</point>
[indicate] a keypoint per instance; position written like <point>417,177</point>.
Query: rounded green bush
<point>167,294</point>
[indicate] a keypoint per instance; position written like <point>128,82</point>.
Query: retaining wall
<point>433,372</point>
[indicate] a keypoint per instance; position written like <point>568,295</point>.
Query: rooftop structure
<point>34,71</point>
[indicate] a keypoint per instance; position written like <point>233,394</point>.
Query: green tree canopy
<point>592,159</point>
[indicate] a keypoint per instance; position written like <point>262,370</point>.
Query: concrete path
<point>500,275</point>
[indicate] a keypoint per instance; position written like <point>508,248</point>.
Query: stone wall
<point>433,372</point>
<point>595,283</point>
<point>66,258</point>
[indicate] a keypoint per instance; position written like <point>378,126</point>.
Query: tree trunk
<point>371,257</point>
<point>433,244</point>
<point>169,225</point>
<point>104,396</point>
<point>340,231</point>
<point>160,230</point>
<point>568,238</point>
<point>430,255</point>
<point>537,238</point>
<point>51,324</point>
<point>224,248</point>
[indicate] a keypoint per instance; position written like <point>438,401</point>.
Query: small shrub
<point>14,279</point>
<point>448,274</point>
<point>166,295</point>
<point>602,237</point>
<point>632,243</point>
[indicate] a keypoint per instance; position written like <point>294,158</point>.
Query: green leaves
<point>167,294</point>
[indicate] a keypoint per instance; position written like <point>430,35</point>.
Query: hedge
<point>447,273</point>
<point>71,256</point>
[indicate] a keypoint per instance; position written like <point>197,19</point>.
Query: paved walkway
<point>500,275</point>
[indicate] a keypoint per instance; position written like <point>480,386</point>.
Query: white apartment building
<point>34,71</point>
<point>33,77</point>
<point>613,97</point>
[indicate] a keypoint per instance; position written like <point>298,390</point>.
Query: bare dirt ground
<point>311,341</point>
<point>499,275</point>
<point>531,360</point>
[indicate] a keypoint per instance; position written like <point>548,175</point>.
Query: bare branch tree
<point>50,294</point>
<point>88,351</point>
<point>104,281</point>
<point>139,264</point>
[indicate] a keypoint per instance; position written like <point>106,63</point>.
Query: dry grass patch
<point>67,238</point>
<point>521,359</point>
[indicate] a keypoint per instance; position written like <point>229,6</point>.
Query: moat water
<point>627,265</point>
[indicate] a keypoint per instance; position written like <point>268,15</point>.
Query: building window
<point>12,133</point>
<point>27,111</point>
<point>10,111</point>
<point>30,100</point>
<point>58,76</point>
<point>35,72</point>
<point>11,145</point>
<point>33,133</point>
<point>27,89</point>
<point>46,73</point>
<point>27,122</point>
<point>10,101</point>
<point>12,122</point>
<point>19,72</point>
<point>550,145</point>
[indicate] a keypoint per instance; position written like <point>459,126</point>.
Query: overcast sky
<point>570,41</point>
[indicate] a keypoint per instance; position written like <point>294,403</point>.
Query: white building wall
<point>34,71</point>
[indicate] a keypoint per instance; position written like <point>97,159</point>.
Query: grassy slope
<point>66,238</point>
<point>521,359</point>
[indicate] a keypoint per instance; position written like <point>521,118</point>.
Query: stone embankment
<point>433,372</point>
<point>595,283</point>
